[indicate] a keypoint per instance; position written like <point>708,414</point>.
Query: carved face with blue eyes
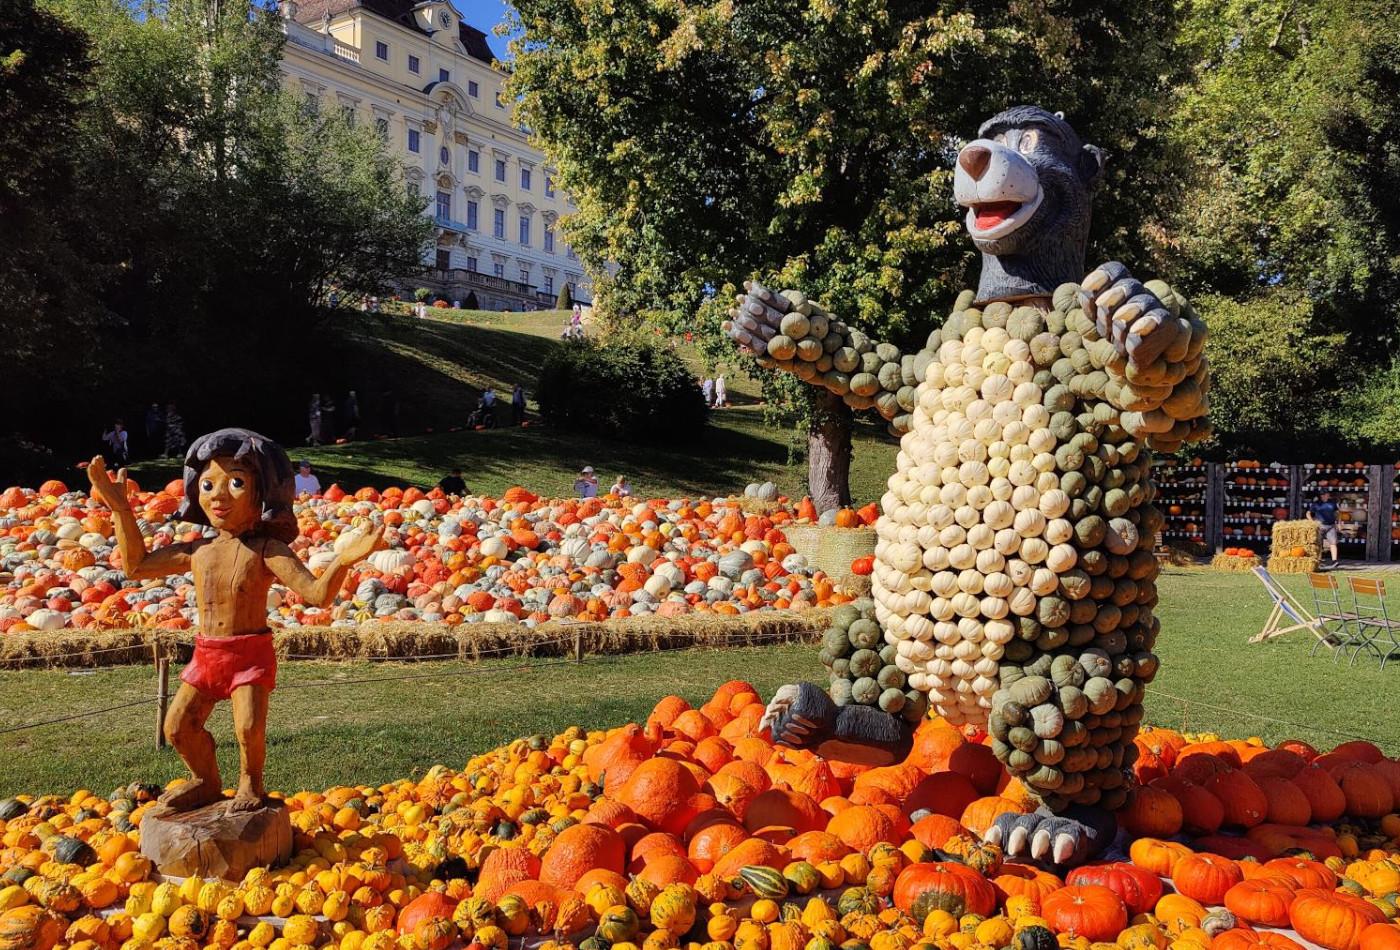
<point>229,494</point>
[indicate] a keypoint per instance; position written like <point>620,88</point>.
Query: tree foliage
<point>811,142</point>
<point>1290,216</point>
<point>707,141</point>
<point>174,189</point>
<point>44,71</point>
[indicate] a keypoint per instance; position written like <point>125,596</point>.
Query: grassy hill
<point>438,366</point>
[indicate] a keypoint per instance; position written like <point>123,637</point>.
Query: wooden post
<point>578,643</point>
<point>162,696</point>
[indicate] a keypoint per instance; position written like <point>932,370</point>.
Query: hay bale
<point>398,640</point>
<point>1292,565</point>
<point>1288,535</point>
<point>831,550</point>
<point>1234,563</point>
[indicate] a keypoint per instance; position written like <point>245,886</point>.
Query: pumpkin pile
<point>1236,560</point>
<point>516,559</point>
<point>692,830</point>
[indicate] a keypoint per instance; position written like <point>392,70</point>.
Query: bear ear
<point>1091,163</point>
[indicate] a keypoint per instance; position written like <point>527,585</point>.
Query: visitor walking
<point>116,441</point>
<point>328,429</point>
<point>350,413</point>
<point>707,389</point>
<point>313,421</point>
<point>453,484</point>
<point>721,393</point>
<point>1324,512</point>
<point>621,488</point>
<point>306,482</point>
<point>586,485</point>
<point>517,405</point>
<point>174,432</point>
<point>155,429</point>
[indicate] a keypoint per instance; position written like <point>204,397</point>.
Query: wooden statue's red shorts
<point>222,664</point>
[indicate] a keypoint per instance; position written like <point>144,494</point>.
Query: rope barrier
<point>143,647</point>
<point>1187,703</point>
<point>81,715</point>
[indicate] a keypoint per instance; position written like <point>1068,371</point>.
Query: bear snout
<point>988,171</point>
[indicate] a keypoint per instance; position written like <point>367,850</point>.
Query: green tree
<point>566,297</point>
<point>1291,206</point>
<point>44,69</point>
<point>704,142</point>
<point>213,207</point>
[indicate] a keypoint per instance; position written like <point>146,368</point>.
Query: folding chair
<point>1327,601</point>
<point>1372,621</point>
<point>1286,607</point>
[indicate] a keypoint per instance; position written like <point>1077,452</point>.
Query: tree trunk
<point>829,451</point>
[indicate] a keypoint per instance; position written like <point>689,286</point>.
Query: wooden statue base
<point>216,840</point>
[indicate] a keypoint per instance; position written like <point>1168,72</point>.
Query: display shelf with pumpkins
<point>1255,495</point>
<point>1392,482</point>
<point>1184,496</point>
<point>1350,487</point>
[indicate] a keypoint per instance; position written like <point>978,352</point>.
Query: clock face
<point>444,20</point>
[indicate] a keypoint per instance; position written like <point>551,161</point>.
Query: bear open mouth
<point>992,213</point>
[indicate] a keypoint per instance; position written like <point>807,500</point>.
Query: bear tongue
<point>994,212</point>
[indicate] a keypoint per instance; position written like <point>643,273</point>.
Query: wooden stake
<point>162,697</point>
<point>578,644</point>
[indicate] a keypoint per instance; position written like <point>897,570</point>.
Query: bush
<point>638,391</point>
<point>422,294</point>
<point>441,304</point>
<point>471,302</point>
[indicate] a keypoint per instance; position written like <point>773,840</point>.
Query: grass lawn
<point>375,731</point>
<point>439,365</point>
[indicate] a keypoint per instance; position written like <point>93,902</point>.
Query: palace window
<point>499,103</point>
<point>471,215</point>
<point>525,230</point>
<point>444,76</point>
<point>413,140</point>
<point>500,169</point>
<point>525,178</point>
<point>524,275</point>
<point>548,240</point>
<point>471,264</point>
<point>548,284</point>
<point>473,89</point>
<point>548,186</point>
<point>413,64</point>
<point>381,125</point>
<point>444,155</point>
<point>444,205</point>
<point>498,223</point>
<point>473,161</point>
<point>381,50</point>
<point>499,270</point>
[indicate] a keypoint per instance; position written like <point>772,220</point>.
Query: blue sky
<point>484,15</point>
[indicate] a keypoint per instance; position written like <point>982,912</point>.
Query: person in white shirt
<point>306,483</point>
<point>586,485</point>
<point>621,488</point>
<point>721,393</point>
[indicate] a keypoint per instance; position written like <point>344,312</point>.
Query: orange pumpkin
<point>1262,901</point>
<point>1091,911</point>
<point>1332,919</point>
<point>424,907</point>
<point>1381,937</point>
<point>1151,813</point>
<point>1206,877</point>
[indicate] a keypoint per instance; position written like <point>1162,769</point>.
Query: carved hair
<point>276,487</point>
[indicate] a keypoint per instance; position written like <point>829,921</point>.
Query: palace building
<point>424,79</point>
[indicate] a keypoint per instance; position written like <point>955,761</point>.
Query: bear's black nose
<point>974,160</point>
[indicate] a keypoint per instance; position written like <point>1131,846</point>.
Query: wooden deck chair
<point>1285,608</point>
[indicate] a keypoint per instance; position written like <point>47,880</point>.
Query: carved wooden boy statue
<point>240,483</point>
